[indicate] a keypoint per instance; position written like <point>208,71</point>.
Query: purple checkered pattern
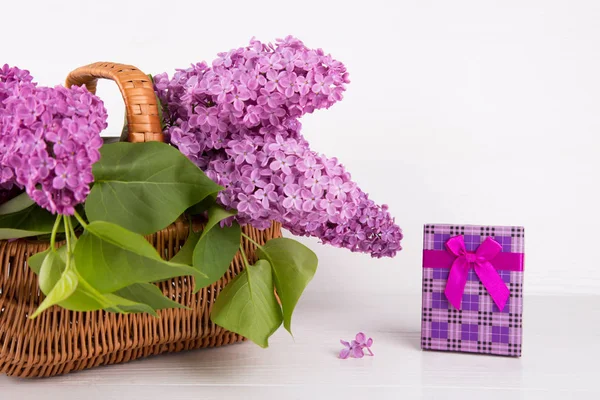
<point>479,327</point>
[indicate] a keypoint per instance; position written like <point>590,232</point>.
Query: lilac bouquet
<point>235,156</point>
<point>238,120</point>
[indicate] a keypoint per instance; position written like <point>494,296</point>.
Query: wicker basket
<point>61,341</point>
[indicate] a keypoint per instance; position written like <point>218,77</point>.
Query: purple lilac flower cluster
<point>238,121</point>
<point>49,139</point>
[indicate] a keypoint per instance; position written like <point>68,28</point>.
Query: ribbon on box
<point>486,261</point>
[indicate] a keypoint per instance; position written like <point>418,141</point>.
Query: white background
<point>483,112</point>
<point>459,111</point>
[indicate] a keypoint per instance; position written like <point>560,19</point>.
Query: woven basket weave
<point>61,341</point>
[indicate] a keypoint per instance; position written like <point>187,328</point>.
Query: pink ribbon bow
<point>480,261</point>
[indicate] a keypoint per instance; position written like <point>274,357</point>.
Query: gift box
<point>473,289</point>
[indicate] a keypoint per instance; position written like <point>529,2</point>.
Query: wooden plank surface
<point>560,353</point>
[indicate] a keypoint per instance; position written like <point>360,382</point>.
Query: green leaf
<point>31,221</point>
<point>145,186</point>
<point>86,298</point>
<point>126,306</point>
<point>214,252</point>
<point>143,297</point>
<point>185,255</point>
<point>217,247</point>
<point>248,306</point>
<point>62,288</point>
<point>52,269</point>
<point>217,214</point>
<point>54,265</point>
<point>35,261</point>
<point>294,265</point>
<point>83,299</point>
<point>65,286</point>
<point>16,204</point>
<point>149,294</point>
<point>122,237</point>
<point>110,258</point>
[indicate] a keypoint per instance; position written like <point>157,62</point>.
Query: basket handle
<point>140,101</point>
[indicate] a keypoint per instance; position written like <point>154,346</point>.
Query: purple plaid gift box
<point>485,316</point>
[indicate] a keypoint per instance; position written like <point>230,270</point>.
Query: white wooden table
<point>560,360</point>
